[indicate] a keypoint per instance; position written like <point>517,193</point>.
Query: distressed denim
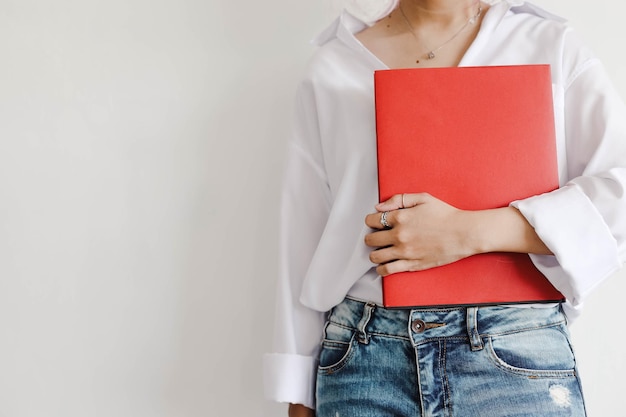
<point>492,361</point>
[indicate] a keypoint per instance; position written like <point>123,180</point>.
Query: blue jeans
<point>453,362</point>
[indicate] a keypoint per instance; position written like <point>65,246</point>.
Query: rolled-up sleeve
<point>290,371</point>
<point>584,222</point>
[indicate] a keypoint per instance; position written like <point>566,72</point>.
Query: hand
<point>298,410</point>
<point>424,232</point>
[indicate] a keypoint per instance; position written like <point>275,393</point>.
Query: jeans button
<point>418,326</point>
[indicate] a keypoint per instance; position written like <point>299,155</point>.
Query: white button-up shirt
<point>331,180</point>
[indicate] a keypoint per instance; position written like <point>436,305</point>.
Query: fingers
<point>383,255</point>
<point>398,266</point>
<point>426,233</point>
<point>386,257</point>
<point>299,410</point>
<point>394,203</point>
<point>379,239</point>
<point>374,220</point>
<point>399,201</point>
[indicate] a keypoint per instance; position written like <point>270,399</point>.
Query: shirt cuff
<point>585,251</point>
<point>290,378</point>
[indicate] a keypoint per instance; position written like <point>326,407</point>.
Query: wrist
<point>504,230</point>
<point>478,238</point>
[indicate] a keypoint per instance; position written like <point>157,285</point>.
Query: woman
<point>487,361</point>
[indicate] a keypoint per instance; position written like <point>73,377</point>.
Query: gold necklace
<point>431,53</point>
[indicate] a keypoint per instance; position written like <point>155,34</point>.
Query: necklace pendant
<point>431,55</point>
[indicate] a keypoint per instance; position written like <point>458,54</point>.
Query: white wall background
<point>141,146</point>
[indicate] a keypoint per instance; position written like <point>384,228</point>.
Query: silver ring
<point>403,206</point>
<point>383,219</point>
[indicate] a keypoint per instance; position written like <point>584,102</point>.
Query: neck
<point>439,12</point>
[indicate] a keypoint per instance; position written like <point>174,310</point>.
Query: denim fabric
<point>453,362</point>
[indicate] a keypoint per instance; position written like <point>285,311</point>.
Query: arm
<point>577,234</point>
<point>584,222</point>
<point>290,370</point>
<point>427,232</point>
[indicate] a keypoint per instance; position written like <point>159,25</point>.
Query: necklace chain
<point>431,53</point>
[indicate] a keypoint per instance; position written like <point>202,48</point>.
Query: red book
<point>476,138</point>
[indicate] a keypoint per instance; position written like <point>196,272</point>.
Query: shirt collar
<point>520,6</point>
<point>343,27</point>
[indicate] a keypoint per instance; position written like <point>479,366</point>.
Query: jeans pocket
<point>337,348</point>
<point>537,353</point>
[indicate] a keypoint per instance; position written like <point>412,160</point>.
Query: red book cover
<point>476,138</point>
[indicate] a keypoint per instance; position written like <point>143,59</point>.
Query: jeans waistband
<point>420,325</point>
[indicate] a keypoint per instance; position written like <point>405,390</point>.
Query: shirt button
<point>418,326</point>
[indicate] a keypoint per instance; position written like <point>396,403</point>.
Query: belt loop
<point>472,329</point>
<point>362,336</point>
